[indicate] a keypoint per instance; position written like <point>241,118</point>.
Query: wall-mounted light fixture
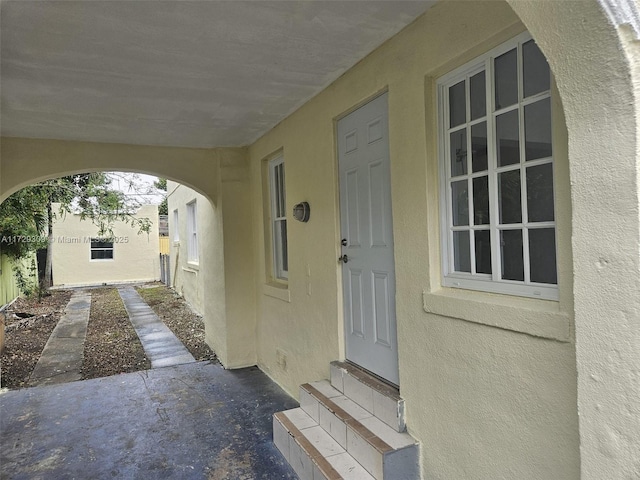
<point>301,212</point>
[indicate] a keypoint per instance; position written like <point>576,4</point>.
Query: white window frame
<point>176,226</point>
<point>493,282</point>
<point>93,249</point>
<point>278,217</point>
<point>192,232</point>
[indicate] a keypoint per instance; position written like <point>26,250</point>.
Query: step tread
<point>329,459</point>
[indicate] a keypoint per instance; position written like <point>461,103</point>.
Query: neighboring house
<point>473,233</point>
<point>80,257</point>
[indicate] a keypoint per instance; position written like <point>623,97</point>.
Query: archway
<point>593,68</point>
<point>25,161</point>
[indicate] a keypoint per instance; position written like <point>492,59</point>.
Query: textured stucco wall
<point>221,285</point>
<point>135,256</point>
<point>489,380</point>
<point>596,81</point>
<point>185,274</point>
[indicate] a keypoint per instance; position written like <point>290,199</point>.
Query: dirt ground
<point>111,347</point>
<point>26,337</point>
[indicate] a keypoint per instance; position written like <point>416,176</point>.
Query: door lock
<point>343,242</point>
<point>343,258</point>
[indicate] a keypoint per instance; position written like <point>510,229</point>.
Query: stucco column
<point>591,60</point>
<point>239,265</point>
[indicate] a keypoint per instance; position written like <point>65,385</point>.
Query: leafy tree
<point>161,184</point>
<point>29,212</point>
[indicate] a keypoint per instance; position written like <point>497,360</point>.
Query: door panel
<point>366,223</point>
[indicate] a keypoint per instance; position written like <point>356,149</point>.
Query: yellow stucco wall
<point>185,274</point>
<point>135,256</point>
<point>492,376</point>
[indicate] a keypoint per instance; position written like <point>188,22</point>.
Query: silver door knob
<point>343,258</point>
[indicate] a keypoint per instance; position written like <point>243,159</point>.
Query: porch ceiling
<point>179,73</point>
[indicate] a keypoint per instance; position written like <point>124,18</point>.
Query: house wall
<point>224,295</point>
<point>135,256</point>
<point>489,380</point>
<point>185,274</point>
<point>492,394</point>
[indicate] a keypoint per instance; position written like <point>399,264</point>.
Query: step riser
<point>389,410</point>
<point>341,419</point>
<point>307,461</point>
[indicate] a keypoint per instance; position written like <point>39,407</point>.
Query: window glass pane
<point>542,255</point>
<point>96,243</point>
<point>460,203</point>
<point>459,152</point>
<point>537,129</point>
<point>483,251</point>
<point>481,201</point>
<point>461,252</point>
<point>536,69</point>
<point>506,74</point>
<point>512,261</point>
<point>284,253</point>
<point>507,138</point>
<point>457,105</point>
<point>478,96</point>
<point>281,191</point>
<point>510,203</point>
<point>540,193</point>
<point>479,147</point>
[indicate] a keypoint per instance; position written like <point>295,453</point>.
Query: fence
<point>165,269</point>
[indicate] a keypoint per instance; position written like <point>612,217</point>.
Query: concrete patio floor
<point>191,421</point>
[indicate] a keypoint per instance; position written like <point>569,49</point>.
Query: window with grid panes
<point>278,218</point>
<point>497,165</point>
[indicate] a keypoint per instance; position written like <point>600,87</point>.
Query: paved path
<point>162,347</point>
<point>61,359</point>
<point>189,422</point>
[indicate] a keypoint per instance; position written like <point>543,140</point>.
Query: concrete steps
<point>337,434</point>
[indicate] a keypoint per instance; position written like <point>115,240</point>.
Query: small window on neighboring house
<point>192,232</point>
<point>101,249</point>
<point>278,218</point>
<point>176,226</point>
<point>496,154</point>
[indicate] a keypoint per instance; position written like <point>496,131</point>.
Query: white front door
<point>367,240</point>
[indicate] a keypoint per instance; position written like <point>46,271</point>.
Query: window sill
<point>539,318</point>
<point>281,292</point>
<point>191,268</point>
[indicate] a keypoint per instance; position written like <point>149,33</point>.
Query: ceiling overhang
<point>178,73</point>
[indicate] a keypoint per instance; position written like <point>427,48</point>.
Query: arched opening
<point>594,69</point>
<point>78,246</point>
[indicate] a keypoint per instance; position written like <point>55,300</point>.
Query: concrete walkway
<point>195,421</point>
<point>61,359</point>
<point>162,347</point>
